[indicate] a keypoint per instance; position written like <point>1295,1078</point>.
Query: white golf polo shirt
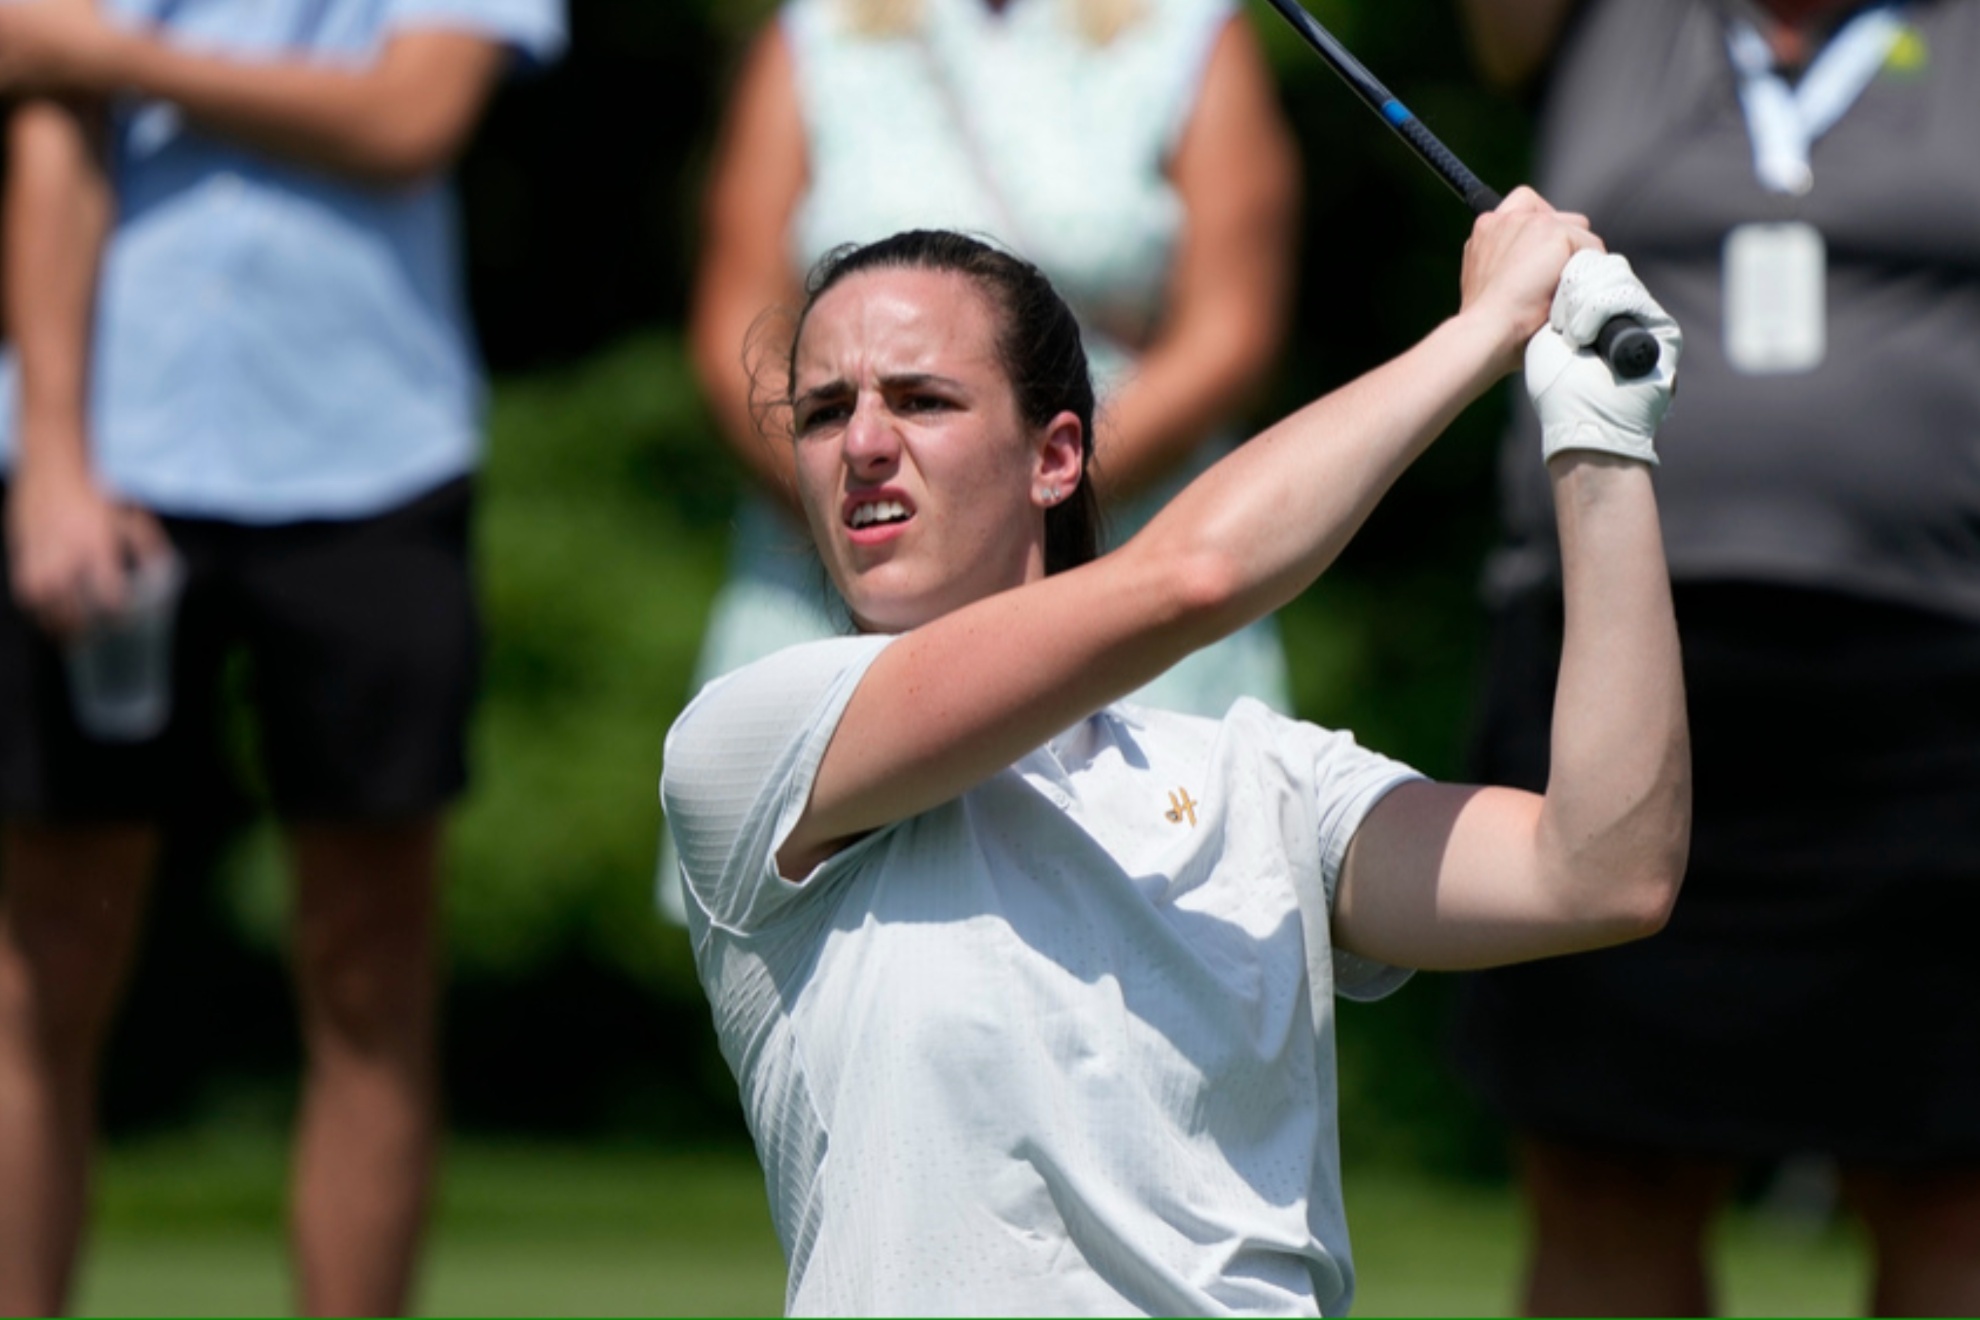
<point>1061,1046</point>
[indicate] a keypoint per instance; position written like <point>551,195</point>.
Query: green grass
<point>192,1226</point>
<point>1423,1247</point>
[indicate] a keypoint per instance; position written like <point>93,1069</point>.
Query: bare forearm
<point>398,120</point>
<point>68,544</point>
<point>1452,877</point>
<point>731,348</point>
<point>58,214</point>
<point>1182,390</point>
<point>745,289</point>
<point>1241,539</point>
<point>1237,172</point>
<point>998,676</point>
<point>1616,821</point>
<point>1270,517</point>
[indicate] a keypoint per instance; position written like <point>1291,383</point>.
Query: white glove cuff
<point>1589,435</point>
<point>1580,401</point>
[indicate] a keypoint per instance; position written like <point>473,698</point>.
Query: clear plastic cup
<point>120,668</point>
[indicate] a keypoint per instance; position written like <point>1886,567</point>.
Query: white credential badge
<point>1776,299</point>
<point>1776,275</point>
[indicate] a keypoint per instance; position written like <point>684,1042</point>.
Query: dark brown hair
<point>1038,346</point>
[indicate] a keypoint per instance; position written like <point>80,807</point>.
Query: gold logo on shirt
<point>1180,807</point>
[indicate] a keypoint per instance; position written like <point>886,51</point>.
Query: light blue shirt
<point>274,343</point>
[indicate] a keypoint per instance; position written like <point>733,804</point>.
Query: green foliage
<point>602,537</point>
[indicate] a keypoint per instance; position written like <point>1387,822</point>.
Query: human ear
<point>1061,460</point>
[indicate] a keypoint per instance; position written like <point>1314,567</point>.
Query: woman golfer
<point>1029,994</point>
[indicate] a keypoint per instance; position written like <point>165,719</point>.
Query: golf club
<point>1629,349</point>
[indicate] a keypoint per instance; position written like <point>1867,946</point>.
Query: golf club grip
<point>1630,350</point>
<point>1440,158</point>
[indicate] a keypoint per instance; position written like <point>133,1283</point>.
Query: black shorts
<point>1816,989</point>
<point>357,645</point>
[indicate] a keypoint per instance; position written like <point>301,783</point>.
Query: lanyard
<point>1785,121</point>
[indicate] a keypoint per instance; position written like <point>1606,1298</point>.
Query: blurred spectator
<point>1797,183</point>
<point>239,342</point>
<point>1133,149</point>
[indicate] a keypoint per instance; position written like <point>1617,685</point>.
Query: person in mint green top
<point>1132,148</point>
<point>240,344</point>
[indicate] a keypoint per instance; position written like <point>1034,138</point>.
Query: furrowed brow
<point>830,391</point>
<point>918,380</point>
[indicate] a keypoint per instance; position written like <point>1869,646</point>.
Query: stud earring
<point>1051,494</point>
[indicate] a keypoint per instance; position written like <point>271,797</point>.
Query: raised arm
<point>758,174</point>
<point>1448,877</point>
<point>1452,877</point>
<point>67,542</point>
<point>1511,40</point>
<point>956,700</point>
<point>1237,171</point>
<point>398,119</point>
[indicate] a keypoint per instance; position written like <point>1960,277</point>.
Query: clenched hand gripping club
<point>1629,349</point>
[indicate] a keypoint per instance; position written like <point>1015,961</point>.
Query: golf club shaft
<point>1628,348</point>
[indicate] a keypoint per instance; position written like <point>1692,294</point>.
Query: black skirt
<point>1818,987</point>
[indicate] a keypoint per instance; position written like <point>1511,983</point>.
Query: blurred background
<point>599,1163</point>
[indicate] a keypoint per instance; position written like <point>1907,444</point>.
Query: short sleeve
<point>1349,780</point>
<point>538,30</point>
<point>739,767</point>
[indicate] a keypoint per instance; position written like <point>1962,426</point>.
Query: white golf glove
<point>1581,403</point>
